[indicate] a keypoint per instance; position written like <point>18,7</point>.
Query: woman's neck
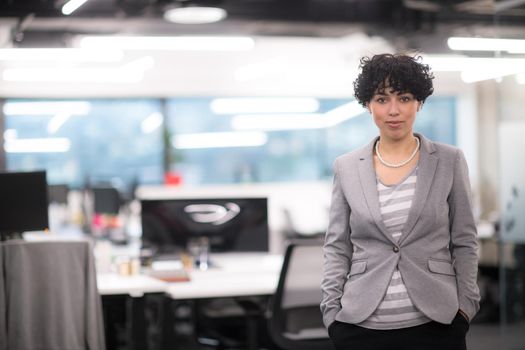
<point>402,146</point>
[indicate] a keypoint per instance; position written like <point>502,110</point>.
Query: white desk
<point>232,275</point>
<point>242,274</point>
<point>135,286</point>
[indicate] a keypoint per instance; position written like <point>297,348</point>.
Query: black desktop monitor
<point>106,200</point>
<point>230,224</point>
<point>57,194</point>
<point>23,202</point>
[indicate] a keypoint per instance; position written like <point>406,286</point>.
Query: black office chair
<point>296,321</point>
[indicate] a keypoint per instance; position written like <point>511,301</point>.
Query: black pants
<point>428,336</point>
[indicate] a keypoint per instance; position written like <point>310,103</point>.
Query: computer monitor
<point>106,200</point>
<point>23,202</point>
<point>57,194</point>
<point>230,224</point>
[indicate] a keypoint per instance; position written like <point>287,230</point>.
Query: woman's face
<point>394,113</point>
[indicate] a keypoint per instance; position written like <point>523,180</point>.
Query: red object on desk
<point>172,178</point>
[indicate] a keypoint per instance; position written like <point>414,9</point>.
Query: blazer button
<point>395,249</point>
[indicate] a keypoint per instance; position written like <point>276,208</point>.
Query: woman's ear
<point>368,107</point>
<point>419,106</point>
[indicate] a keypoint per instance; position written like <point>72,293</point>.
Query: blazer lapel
<point>367,178</point>
<point>427,168</point>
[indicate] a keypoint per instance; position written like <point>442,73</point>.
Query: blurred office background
<point>118,98</point>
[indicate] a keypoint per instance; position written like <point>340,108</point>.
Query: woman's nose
<point>394,108</point>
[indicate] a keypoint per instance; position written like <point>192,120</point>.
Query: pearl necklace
<point>399,165</point>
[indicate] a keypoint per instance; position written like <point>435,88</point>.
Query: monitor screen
<point>57,194</point>
<point>230,224</point>
<point>23,202</point>
<point>106,200</point>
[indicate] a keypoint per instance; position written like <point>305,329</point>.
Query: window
<point>301,152</point>
<point>86,141</point>
<point>211,140</point>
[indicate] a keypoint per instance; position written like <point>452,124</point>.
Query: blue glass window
<point>85,141</point>
<point>123,140</point>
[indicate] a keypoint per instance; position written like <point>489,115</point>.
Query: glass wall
<point>510,92</point>
<point>83,142</point>
<point>501,278</point>
<point>301,151</point>
<point>207,140</point>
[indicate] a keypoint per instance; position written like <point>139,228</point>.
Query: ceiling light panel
<point>264,105</point>
<point>486,44</point>
<point>60,55</point>
<point>169,43</point>
<point>71,6</point>
<point>220,140</point>
<point>38,145</point>
<point>47,108</point>
<point>195,15</point>
<point>271,122</point>
<point>132,72</point>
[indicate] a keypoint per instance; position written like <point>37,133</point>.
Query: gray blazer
<point>436,253</point>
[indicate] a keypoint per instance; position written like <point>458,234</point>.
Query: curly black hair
<point>400,72</point>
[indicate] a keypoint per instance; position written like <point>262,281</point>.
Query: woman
<point>400,250</point>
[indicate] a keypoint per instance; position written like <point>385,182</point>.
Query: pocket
<point>461,322</point>
<point>443,267</point>
<point>358,266</point>
<point>331,328</point>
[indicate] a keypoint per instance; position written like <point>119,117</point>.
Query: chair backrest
<point>51,296</point>
<point>296,321</point>
<point>3,306</point>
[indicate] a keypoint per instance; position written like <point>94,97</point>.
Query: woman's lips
<point>394,124</point>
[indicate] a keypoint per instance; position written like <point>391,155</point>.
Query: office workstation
<point>193,160</point>
<point>225,241</point>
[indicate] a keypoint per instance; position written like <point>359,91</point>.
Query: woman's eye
<point>380,100</point>
<point>405,98</point>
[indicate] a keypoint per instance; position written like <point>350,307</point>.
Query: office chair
<point>50,296</point>
<point>3,306</point>
<point>296,321</point>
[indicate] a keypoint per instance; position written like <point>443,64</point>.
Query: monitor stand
<point>200,249</point>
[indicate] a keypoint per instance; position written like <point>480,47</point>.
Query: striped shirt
<point>396,310</point>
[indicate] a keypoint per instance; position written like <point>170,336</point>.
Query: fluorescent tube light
<point>37,145</point>
<point>261,69</point>
<point>472,76</point>
<point>71,6</point>
<point>10,134</point>
<point>342,113</point>
<point>461,63</point>
<point>151,123</point>
<point>140,64</point>
<point>297,121</point>
<point>60,55</point>
<point>220,140</point>
<point>195,15</point>
<point>47,108</point>
<point>486,44</point>
<point>132,72</point>
<point>277,121</point>
<point>57,121</point>
<point>447,63</point>
<point>264,105</point>
<point>476,69</point>
<point>70,75</point>
<point>167,43</point>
